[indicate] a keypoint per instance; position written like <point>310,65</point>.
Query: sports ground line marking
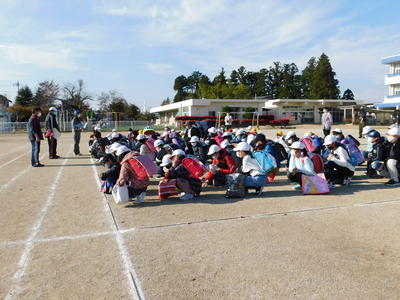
<point>29,245</point>
<point>18,157</point>
<point>135,288</point>
<point>6,185</point>
<point>132,229</point>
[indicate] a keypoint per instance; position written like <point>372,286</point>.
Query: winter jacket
<point>51,122</point>
<point>225,163</point>
<point>34,127</point>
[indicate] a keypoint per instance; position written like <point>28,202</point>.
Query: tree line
<point>70,97</point>
<point>279,81</point>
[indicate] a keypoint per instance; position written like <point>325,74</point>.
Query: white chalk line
<point>6,185</point>
<point>150,227</point>
<point>135,287</point>
<point>11,161</point>
<point>23,261</point>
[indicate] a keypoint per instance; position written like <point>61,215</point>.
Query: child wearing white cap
<point>392,164</point>
<point>299,164</point>
<point>255,176</point>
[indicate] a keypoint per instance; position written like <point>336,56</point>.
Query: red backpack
<point>318,162</point>
<point>194,167</point>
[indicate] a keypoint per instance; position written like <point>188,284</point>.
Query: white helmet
<point>212,130</point>
<point>158,143</point>
<point>166,160</point>
<point>114,147</point>
<point>122,149</point>
<point>213,149</point>
<point>394,131</point>
<point>250,138</point>
<point>329,139</point>
<point>240,131</point>
<point>52,108</point>
<point>141,137</point>
<point>338,130</point>
<point>114,135</point>
<point>297,146</point>
<point>290,134</point>
<point>242,146</point>
<point>225,144</point>
<point>227,133</point>
<point>194,139</point>
<point>178,152</point>
<point>367,129</point>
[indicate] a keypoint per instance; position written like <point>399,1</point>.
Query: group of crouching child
<point>241,160</point>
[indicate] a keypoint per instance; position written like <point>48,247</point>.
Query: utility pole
<point>17,84</point>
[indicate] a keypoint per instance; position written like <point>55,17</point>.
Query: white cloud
<point>160,68</point>
<point>46,57</point>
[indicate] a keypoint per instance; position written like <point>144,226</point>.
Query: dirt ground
<point>61,238</point>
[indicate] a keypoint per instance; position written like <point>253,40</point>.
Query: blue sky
<point>138,47</point>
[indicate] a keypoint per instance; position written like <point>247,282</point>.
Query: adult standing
<point>77,127</point>
<point>52,132</point>
<point>362,117</point>
<point>327,122</point>
<point>228,121</point>
<point>35,136</point>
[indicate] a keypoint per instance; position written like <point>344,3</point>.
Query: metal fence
<point>19,127</point>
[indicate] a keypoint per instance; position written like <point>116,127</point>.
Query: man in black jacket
<point>52,132</point>
<point>191,131</point>
<point>393,161</point>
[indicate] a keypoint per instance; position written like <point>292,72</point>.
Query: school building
<point>298,110</point>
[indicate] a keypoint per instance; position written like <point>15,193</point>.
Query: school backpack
<point>356,157</point>
<point>352,140</point>
<point>150,145</point>
<point>277,151</point>
<point>266,160</point>
<point>318,141</point>
<point>235,186</point>
<point>194,166</point>
<point>309,143</point>
<point>143,166</point>
<point>317,161</point>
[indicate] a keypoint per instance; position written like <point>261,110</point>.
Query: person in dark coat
<point>35,136</point>
<point>77,127</point>
<point>53,132</point>
<point>190,131</point>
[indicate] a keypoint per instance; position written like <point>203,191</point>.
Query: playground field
<point>61,238</point>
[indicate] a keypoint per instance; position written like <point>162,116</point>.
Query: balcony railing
<point>393,74</point>
<point>393,96</point>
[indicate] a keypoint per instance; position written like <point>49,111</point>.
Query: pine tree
<point>24,97</point>
<point>324,85</point>
<point>307,78</point>
<point>348,95</point>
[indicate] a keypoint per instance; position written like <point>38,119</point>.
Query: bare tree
<point>46,93</point>
<point>75,96</point>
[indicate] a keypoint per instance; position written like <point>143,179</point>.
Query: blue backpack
<point>266,160</point>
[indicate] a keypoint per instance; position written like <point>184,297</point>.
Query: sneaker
<point>259,191</point>
<point>346,181</point>
<point>296,187</point>
<point>331,185</point>
<point>187,196</point>
<point>140,198</point>
<point>38,165</point>
<point>391,182</point>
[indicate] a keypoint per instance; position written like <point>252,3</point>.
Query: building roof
<point>390,59</point>
<point>201,102</point>
<point>275,102</point>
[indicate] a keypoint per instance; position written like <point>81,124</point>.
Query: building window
<point>211,113</point>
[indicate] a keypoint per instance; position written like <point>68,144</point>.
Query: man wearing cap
<point>392,165</point>
<point>77,127</point>
<point>327,121</point>
<point>52,132</point>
